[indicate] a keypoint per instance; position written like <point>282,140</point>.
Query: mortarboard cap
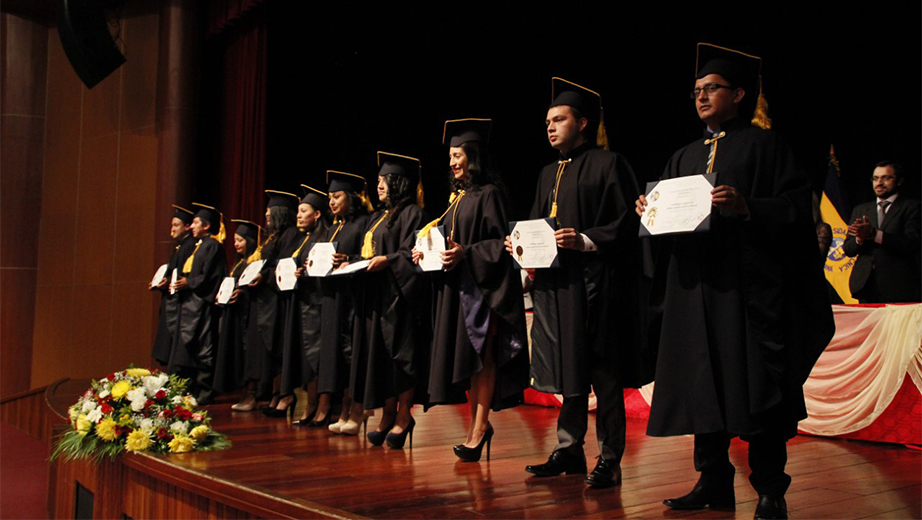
<point>247,229</point>
<point>214,217</point>
<point>587,102</point>
<point>459,131</point>
<point>183,214</point>
<point>316,198</point>
<point>282,198</point>
<point>409,167</point>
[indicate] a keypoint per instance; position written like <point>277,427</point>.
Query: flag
<point>834,210</point>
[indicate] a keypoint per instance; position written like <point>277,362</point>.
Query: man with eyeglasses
<point>741,310</point>
<point>884,235</point>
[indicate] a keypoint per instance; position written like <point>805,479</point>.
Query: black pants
<point>573,420</point>
<point>767,457</point>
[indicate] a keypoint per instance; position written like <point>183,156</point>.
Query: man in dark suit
<point>884,234</point>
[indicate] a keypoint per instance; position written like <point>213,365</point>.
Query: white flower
<point>95,415</point>
<point>177,399</point>
<point>137,398</point>
<point>179,427</point>
<point>104,393</point>
<point>146,425</point>
<point>87,406</point>
<point>153,384</point>
<point>189,401</point>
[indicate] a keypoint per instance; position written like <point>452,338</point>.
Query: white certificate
<point>173,278</point>
<point>431,248</point>
<point>161,272</point>
<point>285,276</point>
<point>680,205</point>
<point>352,268</point>
<point>249,274</point>
<point>533,243</point>
<point>320,259</point>
<point>226,290</point>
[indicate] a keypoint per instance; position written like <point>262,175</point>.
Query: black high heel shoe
<point>473,454</point>
<point>322,423</point>
<point>284,412</point>
<point>306,421</point>
<point>377,438</point>
<point>397,440</point>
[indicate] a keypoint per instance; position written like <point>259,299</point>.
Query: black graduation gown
<point>232,327</point>
<point>169,303</point>
<point>338,310</point>
<point>587,311</point>
<point>392,325</point>
<point>301,332</point>
<point>196,332</point>
<point>483,292</point>
<point>264,357</point>
<point>744,310</point>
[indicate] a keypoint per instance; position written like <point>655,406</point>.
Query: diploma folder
<point>702,226</point>
<point>552,224</point>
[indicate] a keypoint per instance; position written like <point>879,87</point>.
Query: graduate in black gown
<point>479,339</point>
<point>200,276</point>
<point>392,326</point>
<point>350,206</point>
<point>744,309</point>
<point>301,336</point>
<point>180,231</point>
<point>587,327</point>
<point>263,354</point>
<point>232,327</point>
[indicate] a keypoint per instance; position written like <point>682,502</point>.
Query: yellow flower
<point>137,372</point>
<point>106,429</point>
<point>83,424</point>
<point>124,420</point>
<point>181,444</point>
<point>199,433</point>
<point>137,441</point>
<point>120,388</point>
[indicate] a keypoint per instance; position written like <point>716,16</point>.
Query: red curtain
<point>241,120</point>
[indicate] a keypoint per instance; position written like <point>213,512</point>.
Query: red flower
<point>160,395</point>
<point>148,403</point>
<point>111,376</point>
<point>162,432</point>
<point>105,408</point>
<point>167,413</point>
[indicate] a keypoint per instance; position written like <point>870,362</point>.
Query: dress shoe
<point>397,440</point>
<point>247,404</point>
<point>561,461</point>
<point>307,420</point>
<point>335,427</point>
<point>701,497</point>
<point>473,454</point>
<point>607,473</point>
<point>377,437</point>
<point>771,507</point>
<point>355,422</point>
<point>289,408</point>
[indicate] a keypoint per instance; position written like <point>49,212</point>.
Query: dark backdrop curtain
<point>234,100</point>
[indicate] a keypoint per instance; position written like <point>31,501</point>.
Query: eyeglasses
<point>708,89</point>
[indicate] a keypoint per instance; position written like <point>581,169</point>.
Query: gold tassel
<point>601,137</point>
<point>760,118</point>
<point>258,254</point>
<point>368,246</point>
<point>187,266</point>
<point>222,232</point>
<point>424,232</point>
<point>419,194</point>
<point>365,202</point>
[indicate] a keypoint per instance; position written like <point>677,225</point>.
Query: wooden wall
<point>96,231</point>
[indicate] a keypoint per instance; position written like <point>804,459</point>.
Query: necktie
<point>882,211</point>
<point>712,153</point>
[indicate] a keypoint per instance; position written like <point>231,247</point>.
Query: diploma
<point>173,278</point>
<point>354,267</point>
<point>533,243</point>
<point>226,290</point>
<point>680,205</point>
<point>430,248</point>
<point>320,259</point>
<point>249,274</point>
<point>161,272</point>
<point>285,274</point>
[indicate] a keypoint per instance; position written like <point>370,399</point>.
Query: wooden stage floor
<point>347,477</point>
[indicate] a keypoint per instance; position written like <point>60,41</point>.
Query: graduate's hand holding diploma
<point>377,263</point>
<point>181,284</point>
<point>640,205</point>
<point>569,238</point>
<point>415,255</point>
<point>508,243</point>
<point>453,255</point>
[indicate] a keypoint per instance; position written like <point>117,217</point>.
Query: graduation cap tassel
<point>455,197</point>
<point>760,117</point>
<point>419,194</point>
<point>222,232</point>
<point>601,137</point>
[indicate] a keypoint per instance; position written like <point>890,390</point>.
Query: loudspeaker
<point>86,39</point>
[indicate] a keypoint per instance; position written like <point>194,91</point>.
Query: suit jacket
<point>894,262</point>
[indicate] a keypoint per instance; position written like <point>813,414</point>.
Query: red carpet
<point>23,475</point>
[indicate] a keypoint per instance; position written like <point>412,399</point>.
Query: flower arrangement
<point>136,410</point>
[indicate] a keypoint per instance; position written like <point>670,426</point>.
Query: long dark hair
<point>356,207</point>
<point>480,165</point>
<point>280,219</point>
<point>401,192</point>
